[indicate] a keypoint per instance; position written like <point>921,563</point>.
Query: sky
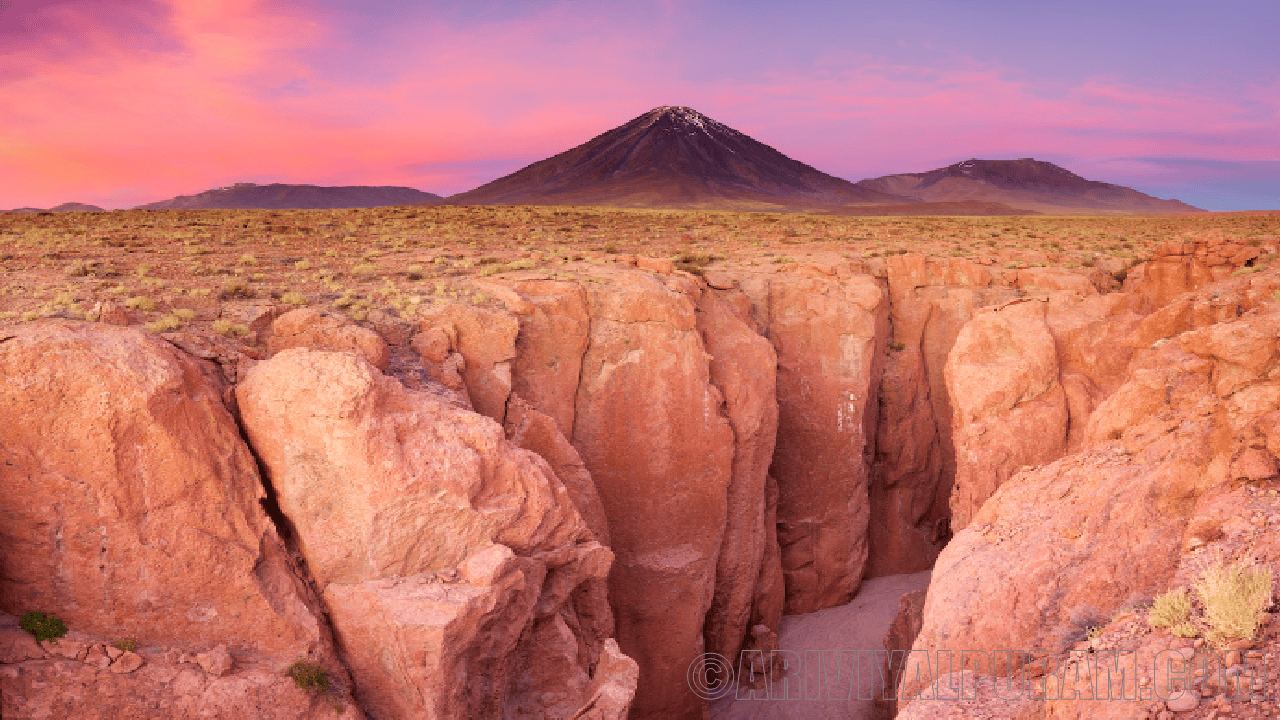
<point>122,102</point>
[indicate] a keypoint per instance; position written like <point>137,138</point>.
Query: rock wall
<point>1174,411</point>
<point>561,494</point>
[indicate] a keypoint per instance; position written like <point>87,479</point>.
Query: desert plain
<point>518,461</point>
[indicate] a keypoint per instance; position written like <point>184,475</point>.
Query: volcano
<point>1026,184</point>
<point>674,157</point>
<point>279,196</point>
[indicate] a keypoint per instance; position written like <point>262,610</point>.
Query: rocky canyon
<point>547,492</point>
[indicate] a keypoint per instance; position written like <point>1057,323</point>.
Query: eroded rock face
<point>828,331</point>
<point>930,301</point>
<point>1008,408</point>
<point>741,366</point>
<point>85,676</point>
<point>130,504</point>
<point>651,428</point>
<point>441,549</point>
<point>1063,546</point>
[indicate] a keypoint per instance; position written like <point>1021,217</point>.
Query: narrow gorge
<point>552,501</point>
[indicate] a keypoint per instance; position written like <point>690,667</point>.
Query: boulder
<point>131,505</point>
<point>442,550</point>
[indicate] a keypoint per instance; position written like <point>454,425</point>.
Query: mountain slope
<point>64,207</point>
<point>1025,183</point>
<point>673,157</point>
<point>278,196</point>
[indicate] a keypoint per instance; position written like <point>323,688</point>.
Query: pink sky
<point>125,102</point>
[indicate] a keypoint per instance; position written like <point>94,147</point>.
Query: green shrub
<point>310,677</point>
<point>42,627</point>
<point>125,644</point>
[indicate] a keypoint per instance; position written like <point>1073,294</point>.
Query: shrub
<point>140,302</point>
<point>126,644</point>
<point>235,288</point>
<point>1234,596</point>
<point>310,677</point>
<point>165,324</point>
<point>293,297</point>
<point>1170,609</point>
<point>42,627</point>
<point>226,327</point>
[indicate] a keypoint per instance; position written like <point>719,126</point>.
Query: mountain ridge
<point>1024,183</point>
<point>281,196</point>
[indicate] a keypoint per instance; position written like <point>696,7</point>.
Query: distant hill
<point>64,207</point>
<point>674,157</point>
<point>277,196</point>
<point>1025,184</point>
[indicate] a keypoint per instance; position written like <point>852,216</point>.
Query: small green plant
<point>310,677</point>
<point>125,644</point>
<point>140,302</point>
<point>293,297</point>
<point>45,628</point>
<point>1234,595</point>
<point>1170,609</point>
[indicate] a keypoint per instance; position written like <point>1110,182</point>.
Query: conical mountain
<point>673,157</point>
<point>1027,184</point>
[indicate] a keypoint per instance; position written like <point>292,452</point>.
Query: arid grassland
<point>174,268</point>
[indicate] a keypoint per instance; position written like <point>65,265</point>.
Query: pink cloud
<point>158,98</point>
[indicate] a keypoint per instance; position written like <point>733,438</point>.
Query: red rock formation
<point>131,505</point>
<point>741,366</point>
<point>1065,545</point>
<point>930,300</point>
<point>828,331</point>
<point>425,528</point>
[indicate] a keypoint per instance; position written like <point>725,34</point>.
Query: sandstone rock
<point>438,545</point>
<point>1183,702</point>
<point>127,471</point>
<point>1009,409</point>
<point>126,663</point>
<point>1052,280</point>
<point>486,339</point>
<point>158,689</point>
<point>829,336</point>
<point>742,369</point>
<point>659,265</point>
<point>1058,544</point>
<point>310,328</point>
<point>217,661</point>
<point>650,428</point>
<point>914,465</point>
<point>549,348</point>
<point>18,645</point>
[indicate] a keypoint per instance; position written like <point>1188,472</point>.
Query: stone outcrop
<point>1065,545</point>
<point>931,299</point>
<point>828,328</point>
<point>556,495</point>
<point>443,552</point>
<point>131,505</point>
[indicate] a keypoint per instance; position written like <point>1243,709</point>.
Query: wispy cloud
<point>136,100</point>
